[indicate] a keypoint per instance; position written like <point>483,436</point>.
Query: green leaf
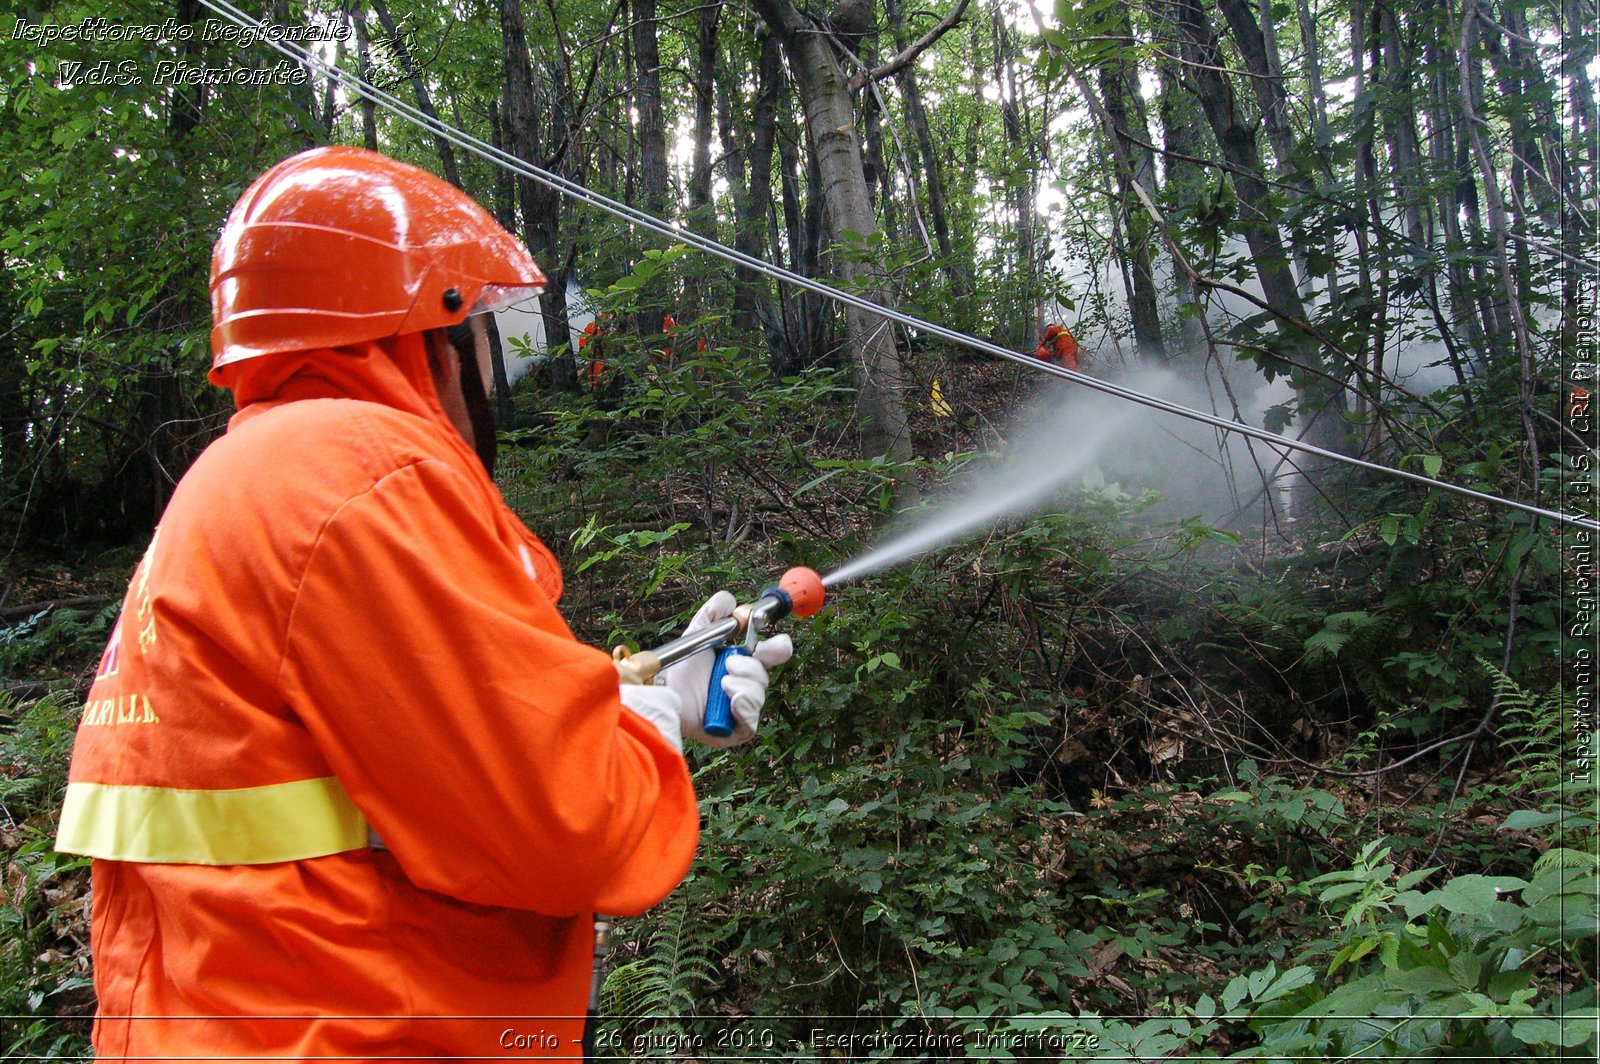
<point>1235,992</point>
<point>1341,890</point>
<point>1529,819</point>
<point>1475,894</point>
<point>1299,976</point>
<point>1411,879</point>
<point>1351,953</point>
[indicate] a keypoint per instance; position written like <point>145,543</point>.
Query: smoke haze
<point>1068,432</point>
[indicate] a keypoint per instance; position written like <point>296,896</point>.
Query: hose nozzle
<point>804,588</point>
<point>798,592</point>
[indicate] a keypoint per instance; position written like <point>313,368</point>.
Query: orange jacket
<point>1066,349</point>
<point>597,367</point>
<point>340,629</point>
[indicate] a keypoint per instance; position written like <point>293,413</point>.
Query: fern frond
<point>670,978</point>
<point>1565,858</point>
<point>1532,726</point>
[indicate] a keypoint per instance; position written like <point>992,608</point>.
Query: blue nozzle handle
<point>718,721</point>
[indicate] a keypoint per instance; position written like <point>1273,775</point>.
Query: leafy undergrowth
<point>1124,786</point>
<point>45,991</point>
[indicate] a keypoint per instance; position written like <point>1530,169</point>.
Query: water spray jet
<point>1062,441</point>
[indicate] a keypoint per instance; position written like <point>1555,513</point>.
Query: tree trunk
<point>1266,77</point>
<point>1117,80</point>
<point>447,157</point>
<point>750,179</point>
<point>1584,148</point>
<point>1236,139</point>
<point>1312,50</point>
<point>369,110</point>
<point>1471,100</point>
<point>505,212</point>
<point>541,207</point>
<point>701,218</point>
<point>647,99</point>
<point>1442,148</point>
<point>1319,399</point>
<point>1500,227</point>
<point>1184,141</point>
<point>1405,148</point>
<point>916,117</point>
<point>803,325</point>
<point>1022,192</point>
<point>830,120</point>
<point>304,114</point>
<point>880,180</point>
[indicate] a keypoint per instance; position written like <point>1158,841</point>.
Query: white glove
<point>745,683</point>
<point>659,706</point>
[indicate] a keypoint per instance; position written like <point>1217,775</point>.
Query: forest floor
<point>1144,851</point>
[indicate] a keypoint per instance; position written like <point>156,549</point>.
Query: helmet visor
<point>498,297</point>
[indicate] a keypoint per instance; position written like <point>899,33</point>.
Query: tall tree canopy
<point>1329,195</point>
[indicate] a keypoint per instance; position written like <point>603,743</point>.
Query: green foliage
<point>52,637</point>
<point>1454,971</point>
<point>647,999</point>
<point>43,907</point>
<point>983,791</point>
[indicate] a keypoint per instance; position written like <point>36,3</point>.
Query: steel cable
<point>580,193</point>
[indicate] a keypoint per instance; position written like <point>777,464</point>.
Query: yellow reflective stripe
<point>248,825</point>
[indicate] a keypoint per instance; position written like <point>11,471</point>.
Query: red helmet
<point>338,245</point>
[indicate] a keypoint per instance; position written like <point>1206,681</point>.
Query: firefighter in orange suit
<point>669,327</point>
<point>1058,346</point>
<point>593,336</point>
<point>352,789</point>
<point>1065,347</point>
<point>1045,350</point>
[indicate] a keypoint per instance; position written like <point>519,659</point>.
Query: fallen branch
<point>17,613</point>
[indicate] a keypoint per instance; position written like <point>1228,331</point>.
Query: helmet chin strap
<point>473,394</point>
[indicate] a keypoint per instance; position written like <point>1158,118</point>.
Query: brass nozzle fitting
<point>635,667</point>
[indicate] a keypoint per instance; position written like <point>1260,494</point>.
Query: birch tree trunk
<point>830,121</point>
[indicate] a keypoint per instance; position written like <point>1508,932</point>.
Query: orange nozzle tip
<point>804,587</point>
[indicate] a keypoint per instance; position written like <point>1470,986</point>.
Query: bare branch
<point>912,50</point>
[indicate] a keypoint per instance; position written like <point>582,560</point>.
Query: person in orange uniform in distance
<point>1046,349</point>
<point>669,327</point>
<point>1058,346</point>
<point>1065,348</point>
<point>591,340</point>
<point>352,788</point>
